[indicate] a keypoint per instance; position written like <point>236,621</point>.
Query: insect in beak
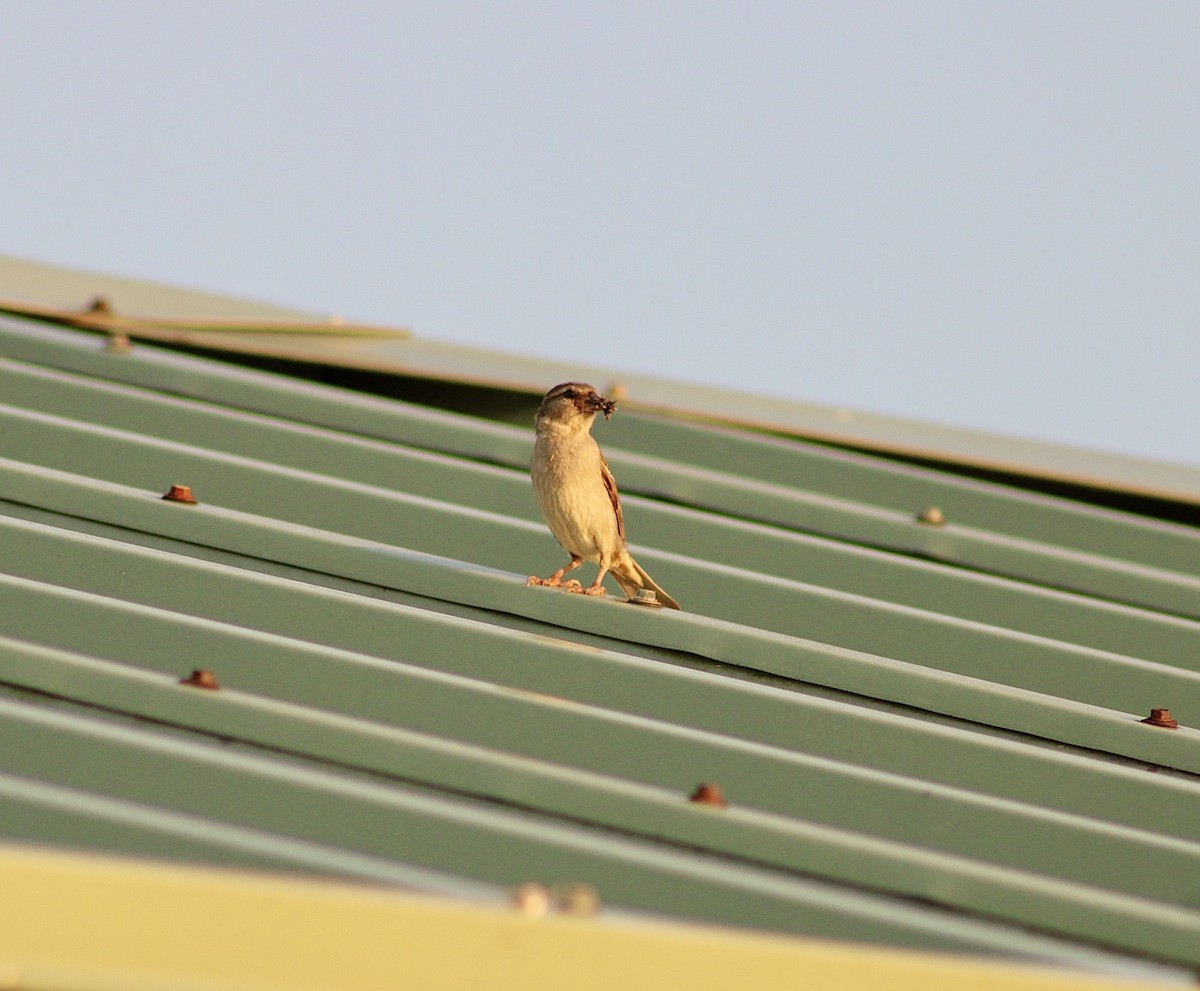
<point>602,405</point>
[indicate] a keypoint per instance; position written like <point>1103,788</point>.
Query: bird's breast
<point>570,492</point>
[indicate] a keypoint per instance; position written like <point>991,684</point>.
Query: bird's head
<point>573,402</point>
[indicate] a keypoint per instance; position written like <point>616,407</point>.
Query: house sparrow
<point>577,494</point>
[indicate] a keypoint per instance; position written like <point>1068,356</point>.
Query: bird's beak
<point>598,404</point>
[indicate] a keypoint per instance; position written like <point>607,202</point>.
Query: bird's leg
<point>597,588</point>
<point>556,579</point>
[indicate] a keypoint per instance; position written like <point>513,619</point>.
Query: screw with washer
<point>645,597</point>
<point>531,899</point>
<point>1161,717</point>
<point>201,678</point>
<point>931,516</point>
<point>708,794</point>
<point>577,899</point>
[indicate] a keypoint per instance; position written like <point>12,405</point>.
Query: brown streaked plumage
<point>577,493</point>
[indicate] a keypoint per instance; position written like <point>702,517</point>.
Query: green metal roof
<point>270,334</point>
<point>928,735</point>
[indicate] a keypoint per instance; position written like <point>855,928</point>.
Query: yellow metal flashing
<point>71,921</point>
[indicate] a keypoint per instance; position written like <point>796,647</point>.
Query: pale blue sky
<point>982,214</point>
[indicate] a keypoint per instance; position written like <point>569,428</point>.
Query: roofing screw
<point>180,493</point>
<point>931,516</point>
<point>708,794</point>
<point>531,899</point>
<point>646,597</point>
<point>201,678</point>
<point>118,343</point>
<point>1161,717</point>
<point>578,899</point>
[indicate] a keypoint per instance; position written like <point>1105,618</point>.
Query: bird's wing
<point>610,484</point>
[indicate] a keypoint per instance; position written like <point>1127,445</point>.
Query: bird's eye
<point>569,394</point>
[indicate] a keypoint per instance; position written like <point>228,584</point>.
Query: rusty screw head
<point>708,794</point>
<point>201,678</point>
<point>646,597</point>
<point>180,493</point>
<point>1161,717</point>
<point>931,516</point>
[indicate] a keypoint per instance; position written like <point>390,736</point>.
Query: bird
<point>577,494</point>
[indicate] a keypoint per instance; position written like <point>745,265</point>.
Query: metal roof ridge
<point>100,317</point>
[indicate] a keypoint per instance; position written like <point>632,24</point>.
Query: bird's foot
<point>552,582</point>
<point>595,590</point>
<point>571,585</point>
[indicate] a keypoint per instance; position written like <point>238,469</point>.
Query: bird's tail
<point>633,577</point>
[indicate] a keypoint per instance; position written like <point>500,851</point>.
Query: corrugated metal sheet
<point>208,322</point>
<point>928,736</point>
